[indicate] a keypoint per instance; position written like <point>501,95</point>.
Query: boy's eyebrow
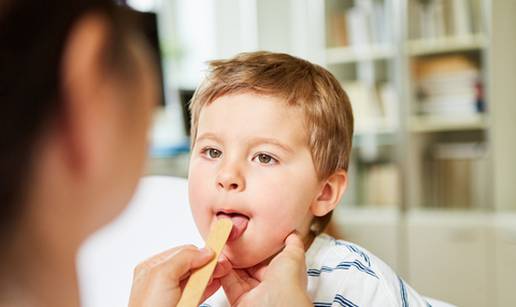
<point>253,142</point>
<point>208,136</point>
<point>262,140</point>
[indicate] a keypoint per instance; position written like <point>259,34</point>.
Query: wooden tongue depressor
<point>199,279</point>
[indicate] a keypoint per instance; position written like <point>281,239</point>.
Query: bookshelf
<point>446,44</point>
<point>361,51</point>
<point>417,74</point>
<point>437,124</point>
<point>446,140</point>
<point>340,55</point>
<point>451,143</point>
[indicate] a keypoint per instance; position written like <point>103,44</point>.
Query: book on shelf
<point>337,32</point>
<point>366,110</point>
<point>374,107</point>
<point>457,176</point>
<point>434,19</point>
<point>389,102</point>
<point>477,14</point>
<point>449,86</point>
<point>431,17</point>
<point>460,23</point>
<point>361,25</point>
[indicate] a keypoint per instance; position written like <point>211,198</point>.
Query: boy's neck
<point>308,240</point>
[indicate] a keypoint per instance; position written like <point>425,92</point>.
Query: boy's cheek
<point>201,218</point>
<point>286,218</point>
<point>279,221</point>
<point>199,204</point>
<point>199,183</point>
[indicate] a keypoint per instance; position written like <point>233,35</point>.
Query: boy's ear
<point>331,192</point>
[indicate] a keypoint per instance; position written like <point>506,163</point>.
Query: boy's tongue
<point>239,224</point>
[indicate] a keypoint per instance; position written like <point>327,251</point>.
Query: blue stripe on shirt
<point>339,299</point>
<point>344,301</point>
<point>355,250</point>
<point>403,291</point>
<point>345,265</point>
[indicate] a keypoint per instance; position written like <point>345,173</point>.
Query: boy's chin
<point>248,259</point>
<point>240,260</point>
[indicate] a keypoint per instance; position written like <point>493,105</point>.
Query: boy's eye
<point>265,159</point>
<point>213,153</point>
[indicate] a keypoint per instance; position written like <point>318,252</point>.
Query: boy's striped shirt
<point>343,274</point>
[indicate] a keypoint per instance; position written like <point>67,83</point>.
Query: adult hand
<point>281,283</point>
<point>159,280</point>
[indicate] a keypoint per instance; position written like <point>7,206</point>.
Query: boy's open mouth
<point>239,223</point>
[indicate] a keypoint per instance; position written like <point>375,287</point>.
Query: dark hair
<point>33,34</point>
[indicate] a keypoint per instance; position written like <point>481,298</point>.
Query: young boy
<point>271,140</point>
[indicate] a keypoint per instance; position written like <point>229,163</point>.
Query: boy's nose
<point>230,181</point>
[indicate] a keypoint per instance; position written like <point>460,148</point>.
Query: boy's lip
<point>239,221</point>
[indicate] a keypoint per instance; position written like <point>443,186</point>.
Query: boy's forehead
<point>248,114</point>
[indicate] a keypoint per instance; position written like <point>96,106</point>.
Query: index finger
<point>176,265</point>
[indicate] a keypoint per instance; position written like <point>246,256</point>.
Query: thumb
<point>294,248</point>
<point>294,242</point>
<point>289,265</point>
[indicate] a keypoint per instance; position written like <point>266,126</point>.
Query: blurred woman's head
<point>77,86</point>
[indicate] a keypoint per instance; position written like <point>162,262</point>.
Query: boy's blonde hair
<point>328,114</point>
